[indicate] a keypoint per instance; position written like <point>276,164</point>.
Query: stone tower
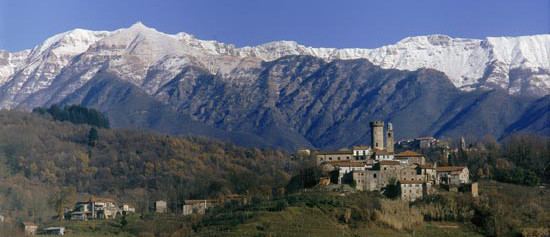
<point>389,139</point>
<point>377,131</point>
<point>462,144</point>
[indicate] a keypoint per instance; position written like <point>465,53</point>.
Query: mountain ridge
<point>469,63</point>
<point>178,84</point>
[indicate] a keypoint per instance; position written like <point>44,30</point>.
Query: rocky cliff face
<point>285,94</point>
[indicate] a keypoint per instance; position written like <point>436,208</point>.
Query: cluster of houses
<point>373,168</point>
<point>98,208</point>
<point>105,208</point>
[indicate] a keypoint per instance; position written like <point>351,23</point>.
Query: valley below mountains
<point>286,95</point>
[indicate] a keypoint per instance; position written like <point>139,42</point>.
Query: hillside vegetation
<point>40,157</point>
<point>46,165</point>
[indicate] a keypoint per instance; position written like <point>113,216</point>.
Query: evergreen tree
<point>92,137</point>
<point>393,189</point>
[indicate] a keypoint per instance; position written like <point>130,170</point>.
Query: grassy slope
<point>313,222</point>
<point>319,214</point>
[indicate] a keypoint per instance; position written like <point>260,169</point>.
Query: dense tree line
<point>76,114</point>
<point>519,159</point>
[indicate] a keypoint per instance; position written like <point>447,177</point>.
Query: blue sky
<point>328,23</point>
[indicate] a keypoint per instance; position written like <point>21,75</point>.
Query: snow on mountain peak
<point>469,63</point>
<point>71,42</point>
<point>139,24</point>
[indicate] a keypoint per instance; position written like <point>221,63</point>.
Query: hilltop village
<point>378,166</point>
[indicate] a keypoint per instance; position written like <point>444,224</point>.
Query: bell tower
<point>390,139</point>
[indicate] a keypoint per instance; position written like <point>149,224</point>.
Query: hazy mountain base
<point>303,101</point>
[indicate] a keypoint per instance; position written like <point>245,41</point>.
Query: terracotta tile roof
<point>426,166</point>
<point>336,153</point>
<point>191,202</point>
<point>361,147</point>
<point>347,163</point>
<point>382,152</point>
<point>408,153</point>
<point>103,200</point>
<point>449,168</point>
<point>389,162</point>
<point>97,199</point>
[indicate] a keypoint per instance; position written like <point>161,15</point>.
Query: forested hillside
<point>40,157</point>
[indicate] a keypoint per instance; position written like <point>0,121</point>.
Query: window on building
<point>374,176</point>
<point>338,158</point>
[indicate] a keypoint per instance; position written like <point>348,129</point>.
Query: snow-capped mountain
<point>283,93</point>
<point>149,59</point>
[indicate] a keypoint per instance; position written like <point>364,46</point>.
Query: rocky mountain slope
<point>285,94</point>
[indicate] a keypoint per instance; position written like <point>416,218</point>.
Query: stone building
<point>235,198</point>
<point>379,155</point>
<point>29,228</point>
<point>304,152</point>
<point>410,157</point>
<point>367,180</point>
<point>198,207</point>
<point>361,152</point>
<point>95,208</point>
<point>381,174</point>
<point>161,206</point>
<point>411,190</point>
<point>54,231</point>
<point>357,153</point>
<point>346,168</point>
<point>429,172</point>
<point>474,189</point>
<point>411,173</point>
<point>414,190</point>
<point>425,142</point>
<point>334,156</point>
<point>125,209</point>
<point>453,175</point>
